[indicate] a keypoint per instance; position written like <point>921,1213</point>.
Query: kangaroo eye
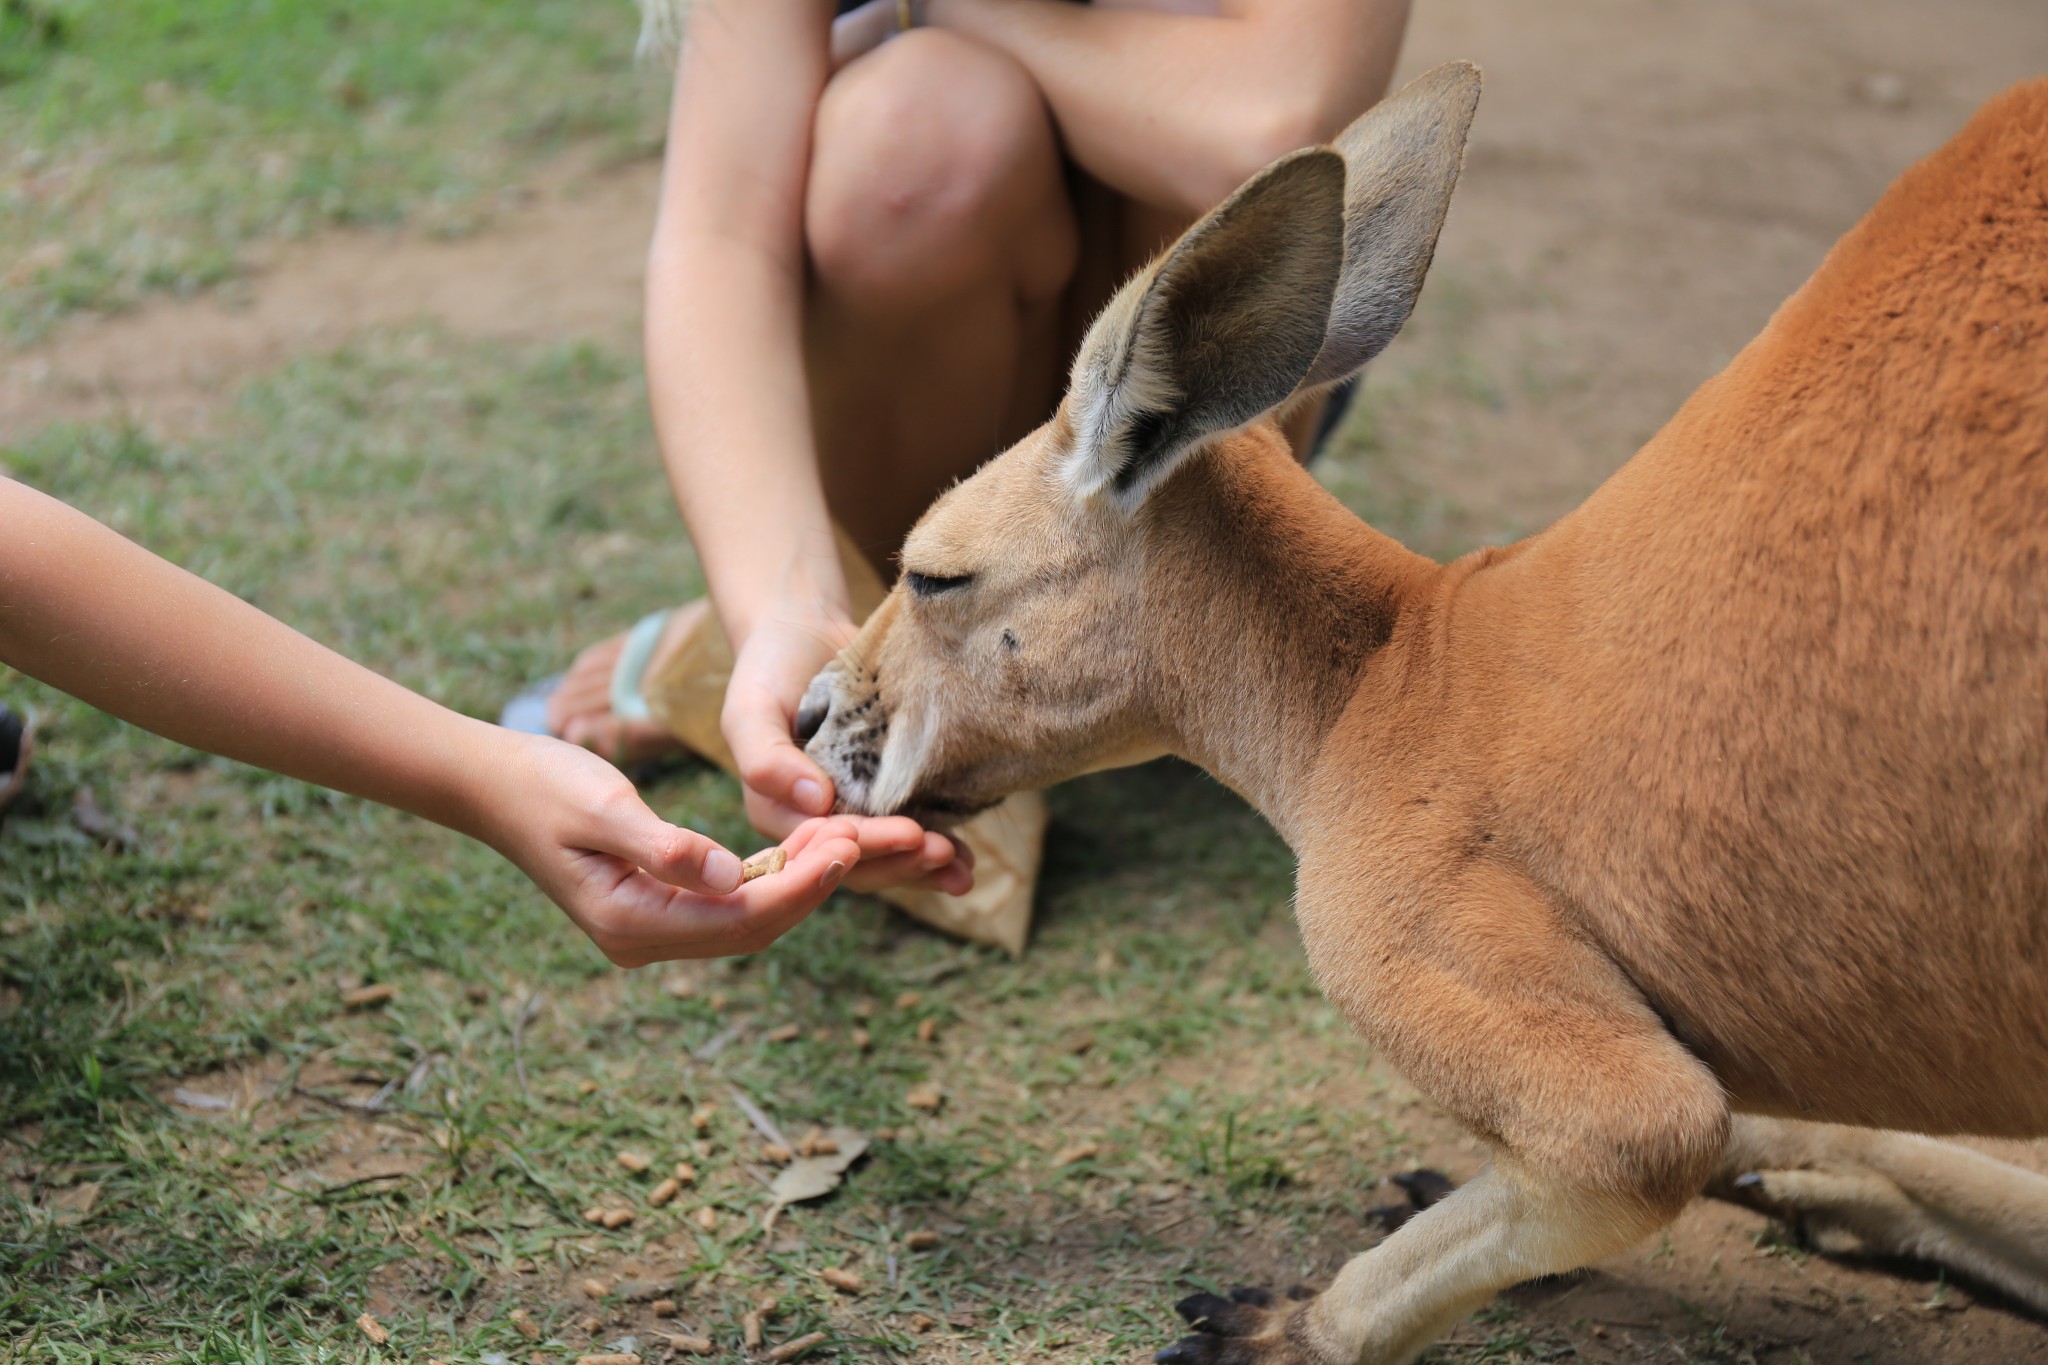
<point>931,585</point>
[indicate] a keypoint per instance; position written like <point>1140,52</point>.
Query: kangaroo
<point>1699,842</point>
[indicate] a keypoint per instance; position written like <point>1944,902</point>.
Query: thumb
<point>681,857</point>
<point>769,761</point>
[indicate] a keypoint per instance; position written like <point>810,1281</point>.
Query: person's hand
<point>784,787</point>
<point>645,890</point>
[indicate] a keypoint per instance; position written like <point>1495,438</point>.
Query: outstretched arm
<point>106,621</point>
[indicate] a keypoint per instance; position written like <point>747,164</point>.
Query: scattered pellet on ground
<point>909,1000</point>
<point>594,1288</point>
<point>663,1308</point>
<point>665,1191</point>
<point>609,1358</point>
<point>707,1218</point>
<point>686,1173</point>
<point>522,1322</point>
<point>923,1239</point>
<point>790,1350</point>
<point>925,1097</point>
<point>701,1118</point>
<point>1080,1151</point>
<point>614,1219</point>
<point>594,1214</point>
<point>862,1040</point>
<point>777,1153</point>
<point>633,1162</point>
<point>364,997</point>
<point>372,1329</point>
<point>750,1330</point>
<point>927,1030</point>
<point>696,1346</point>
<point>788,1033</point>
<point>922,1322</point>
<point>845,1281</point>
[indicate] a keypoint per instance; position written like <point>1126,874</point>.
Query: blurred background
<point>338,305</point>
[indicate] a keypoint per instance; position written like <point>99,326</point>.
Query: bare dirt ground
<point>1647,181</point>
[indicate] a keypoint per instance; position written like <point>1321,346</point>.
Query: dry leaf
<point>199,1099</point>
<point>1080,1151</point>
<point>373,1329</point>
<point>75,1203</point>
<point>809,1177</point>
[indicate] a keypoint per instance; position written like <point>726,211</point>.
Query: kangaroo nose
<point>810,716</point>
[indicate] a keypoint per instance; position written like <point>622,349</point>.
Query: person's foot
<point>580,709</point>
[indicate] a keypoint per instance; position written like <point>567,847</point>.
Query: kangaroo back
<point>1800,654</point>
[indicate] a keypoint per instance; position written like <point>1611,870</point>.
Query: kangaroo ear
<point>1401,158</point>
<point>1217,331</point>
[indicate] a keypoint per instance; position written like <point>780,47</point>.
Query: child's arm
<point>103,619</point>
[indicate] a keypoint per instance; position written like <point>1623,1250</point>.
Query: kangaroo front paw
<point>1251,1327</point>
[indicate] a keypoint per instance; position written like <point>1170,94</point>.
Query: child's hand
<point>643,889</point>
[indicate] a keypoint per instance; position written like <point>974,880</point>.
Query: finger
<point>883,835</point>
<point>901,869</point>
<point>771,818</point>
<point>680,857</point>
<point>805,880</point>
<point>769,761</point>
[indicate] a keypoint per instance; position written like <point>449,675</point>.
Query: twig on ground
<point>528,1010</point>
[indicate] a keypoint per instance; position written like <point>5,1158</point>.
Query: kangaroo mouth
<point>934,811</point>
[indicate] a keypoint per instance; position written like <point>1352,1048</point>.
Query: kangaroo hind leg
<point>1864,1191</point>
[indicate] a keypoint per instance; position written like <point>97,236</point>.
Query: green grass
<point>149,142</point>
<point>460,516</point>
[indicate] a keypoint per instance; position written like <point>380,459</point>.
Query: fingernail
<point>721,871</point>
<point>808,796</point>
<point>832,875</point>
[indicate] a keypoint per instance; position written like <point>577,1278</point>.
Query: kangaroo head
<point>1020,644</point>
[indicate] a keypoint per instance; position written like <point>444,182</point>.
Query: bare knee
<point>934,168</point>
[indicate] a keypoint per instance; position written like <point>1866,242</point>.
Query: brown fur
<point>1728,793</point>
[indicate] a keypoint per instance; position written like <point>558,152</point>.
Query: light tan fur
<point>1726,795</point>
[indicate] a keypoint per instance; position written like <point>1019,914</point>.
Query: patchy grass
<point>208,1156</point>
<point>151,142</point>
